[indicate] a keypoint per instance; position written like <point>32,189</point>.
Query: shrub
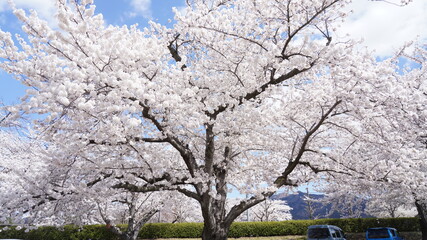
<point>68,232</point>
<point>11,232</point>
<point>171,230</point>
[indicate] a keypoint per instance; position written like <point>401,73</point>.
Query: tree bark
<point>216,224</point>
<point>215,231</point>
<point>422,213</point>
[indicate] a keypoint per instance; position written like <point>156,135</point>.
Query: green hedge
<point>93,232</point>
<point>259,229</point>
<point>171,230</point>
<point>194,230</point>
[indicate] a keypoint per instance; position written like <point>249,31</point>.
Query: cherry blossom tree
<point>390,203</point>
<point>309,205</point>
<point>414,124</point>
<point>136,208</point>
<point>271,210</point>
<point>244,93</point>
<point>35,192</point>
<point>346,199</point>
<point>17,162</point>
<point>384,183</point>
<point>388,156</point>
<point>408,138</point>
<point>374,198</point>
<point>392,172</point>
<point>406,115</point>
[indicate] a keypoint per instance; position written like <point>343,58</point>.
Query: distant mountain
<point>300,207</point>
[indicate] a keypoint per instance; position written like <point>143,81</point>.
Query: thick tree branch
<point>260,90</point>
<point>152,184</point>
<point>189,193</point>
<point>284,178</point>
<point>319,170</point>
<point>182,148</point>
<point>137,189</point>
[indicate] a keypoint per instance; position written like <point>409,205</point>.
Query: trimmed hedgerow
<point>11,232</point>
<point>194,230</point>
<point>171,230</point>
<point>68,232</point>
<point>259,229</point>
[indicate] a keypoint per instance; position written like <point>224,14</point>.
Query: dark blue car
<point>382,233</point>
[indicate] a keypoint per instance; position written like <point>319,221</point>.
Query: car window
<point>340,234</point>
<point>333,233</point>
<point>393,233</point>
<point>378,233</point>
<point>318,233</point>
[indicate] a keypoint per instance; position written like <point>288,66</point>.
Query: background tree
<point>38,190</point>
<point>271,210</point>
<point>345,199</point>
<point>309,208</point>
<point>392,203</point>
<point>389,154</point>
<point>369,198</point>
<point>137,209</point>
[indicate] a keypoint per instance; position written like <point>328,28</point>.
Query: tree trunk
<point>216,222</point>
<point>215,232</point>
<point>216,226</point>
<point>422,213</point>
<point>130,235</point>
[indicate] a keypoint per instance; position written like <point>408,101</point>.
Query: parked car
<point>325,232</point>
<point>382,233</point>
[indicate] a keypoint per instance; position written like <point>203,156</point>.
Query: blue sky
<point>383,26</point>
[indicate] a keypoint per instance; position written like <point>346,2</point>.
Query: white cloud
<point>44,8</point>
<point>386,27</point>
<point>141,8</point>
<point>182,10</point>
<point>2,19</point>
